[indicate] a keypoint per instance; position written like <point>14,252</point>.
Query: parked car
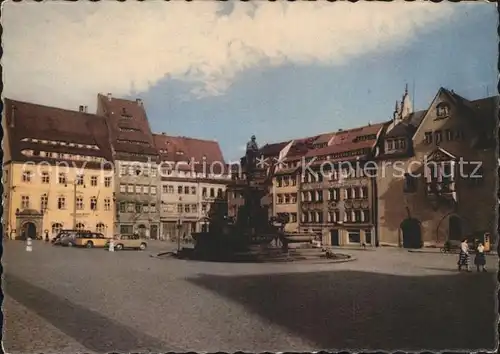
<point>90,240</point>
<point>67,237</point>
<point>128,243</point>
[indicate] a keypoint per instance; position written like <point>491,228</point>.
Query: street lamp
<point>179,226</point>
<point>74,183</point>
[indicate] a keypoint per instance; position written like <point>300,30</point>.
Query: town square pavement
<point>62,300</point>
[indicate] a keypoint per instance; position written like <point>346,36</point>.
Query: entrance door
<point>29,230</point>
<point>334,236</point>
<point>154,232</point>
<point>455,228</point>
<point>412,236</point>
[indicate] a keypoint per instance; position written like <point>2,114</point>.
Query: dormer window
<point>442,110</point>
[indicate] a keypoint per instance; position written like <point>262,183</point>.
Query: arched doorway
<point>454,228</point>
<point>142,230</point>
<point>29,230</point>
<point>412,233</point>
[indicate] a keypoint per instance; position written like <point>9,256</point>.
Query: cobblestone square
<point>73,300</point>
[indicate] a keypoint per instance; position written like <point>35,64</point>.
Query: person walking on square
<point>463,257</point>
<point>480,259</point>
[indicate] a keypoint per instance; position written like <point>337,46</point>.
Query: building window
<point>357,216</point>
<point>179,208</point>
<point>354,236</point>
<point>79,203</point>
<point>93,203</point>
<point>45,178</point>
<point>279,181</point>
<point>93,181</point>
<point>410,183</point>
<point>287,199</point>
<point>145,189</point>
<point>187,208</point>
<point>145,208</point>
<point>294,181</point>
<point>153,190</point>
<point>428,138</point>
<point>193,190</point>
<point>390,145</point>
<point>204,207</point>
<point>100,227</point>
<point>79,180</point>
<point>138,189</point>
<point>138,208</point>
<point>204,192</point>
<point>123,188</point>
<point>107,181</point>
<point>126,229</point>
<point>438,136</point>
<point>130,207</point>
<point>80,226</point>
<point>212,193</point>
<point>186,189</point>
<point>179,190</point>
<point>294,198</point>
<point>44,202</point>
<point>27,176</point>
<point>61,203</point>
<point>164,189</point>
<point>442,110</point>
<point>365,215</point>
<point>293,217</point>
<point>56,228</point>
<point>25,202</point>
<point>280,199</point>
<point>107,204</point>
<point>123,207</point>
<point>194,208</point>
<point>130,189</point>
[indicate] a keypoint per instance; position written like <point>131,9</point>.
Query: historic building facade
<point>57,171</point>
<point>136,166</point>
<point>337,188</point>
<point>193,175</point>
<point>437,172</point>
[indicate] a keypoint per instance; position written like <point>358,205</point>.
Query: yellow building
<point>58,171</point>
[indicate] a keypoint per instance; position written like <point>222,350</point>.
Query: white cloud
<point>64,53</point>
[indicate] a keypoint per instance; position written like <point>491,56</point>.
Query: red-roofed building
<point>136,159</point>
<point>193,175</point>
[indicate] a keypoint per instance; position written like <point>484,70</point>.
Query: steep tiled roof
<point>350,140</point>
<point>407,127</point>
<point>182,148</point>
<point>273,149</point>
<point>33,121</point>
<point>129,126</point>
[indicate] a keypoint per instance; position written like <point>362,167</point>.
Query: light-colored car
<point>121,244</point>
<point>91,240</point>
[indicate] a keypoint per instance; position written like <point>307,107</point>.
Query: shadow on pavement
<point>91,329</point>
<point>359,310</point>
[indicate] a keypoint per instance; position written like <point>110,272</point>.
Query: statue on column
<point>251,153</point>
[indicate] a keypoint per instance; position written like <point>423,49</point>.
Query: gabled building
<point>437,171</point>
<point>193,175</point>
<point>337,190</point>
<point>136,170</point>
<point>58,171</point>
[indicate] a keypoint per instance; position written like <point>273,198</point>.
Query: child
<point>480,259</point>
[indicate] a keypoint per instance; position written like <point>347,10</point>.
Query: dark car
<point>63,236</point>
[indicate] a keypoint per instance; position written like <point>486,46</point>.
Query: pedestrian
<point>480,259</point>
<point>46,236</point>
<point>463,257</point>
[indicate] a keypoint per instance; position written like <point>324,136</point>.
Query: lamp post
<point>179,226</point>
<point>74,183</point>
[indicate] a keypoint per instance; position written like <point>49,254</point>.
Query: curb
<point>491,253</point>
<point>318,260</point>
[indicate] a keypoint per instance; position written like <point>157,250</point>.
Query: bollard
<point>111,245</point>
<point>29,248</point>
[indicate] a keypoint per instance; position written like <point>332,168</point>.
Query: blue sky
<point>225,72</point>
<point>299,100</point>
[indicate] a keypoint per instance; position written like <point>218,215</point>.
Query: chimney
<point>369,123</point>
<point>80,109</point>
<point>163,133</point>
<point>139,102</point>
<point>109,96</point>
<point>12,116</point>
<point>340,130</point>
<point>85,109</point>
